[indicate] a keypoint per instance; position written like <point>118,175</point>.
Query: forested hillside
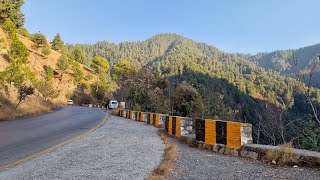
<point>283,61</point>
<point>173,74</point>
<point>170,54</point>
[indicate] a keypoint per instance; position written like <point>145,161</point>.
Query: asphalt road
<point>120,149</point>
<point>26,136</point>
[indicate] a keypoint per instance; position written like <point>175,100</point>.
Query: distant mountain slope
<point>170,54</point>
<point>281,61</point>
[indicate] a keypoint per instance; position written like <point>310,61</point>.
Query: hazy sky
<point>246,26</point>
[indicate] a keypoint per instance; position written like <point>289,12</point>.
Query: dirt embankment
<point>36,104</point>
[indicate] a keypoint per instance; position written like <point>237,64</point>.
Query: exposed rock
<point>208,147</point>
<point>253,155</point>
<point>234,153</point>
<point>244,153</point>
<point>221,151</point>
<point>215,148</point>
<point>227,151</point>
<point>200,144</point>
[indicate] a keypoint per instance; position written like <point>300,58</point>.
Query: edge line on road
<point>103,120</point>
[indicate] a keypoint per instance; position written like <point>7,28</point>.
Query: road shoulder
<point>121,149</point>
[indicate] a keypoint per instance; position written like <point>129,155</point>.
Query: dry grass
<point>191,142</point>
<point>116,112</point>
<point>6,114</point>
<point>282,155</point>
<point>33,105</point>
<point>164,170</point>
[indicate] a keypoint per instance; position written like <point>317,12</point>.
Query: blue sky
<point>245,26</point>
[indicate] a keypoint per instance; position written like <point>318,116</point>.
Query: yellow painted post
<point>141,117</point>
<point>233,135</point>
<point>178,126</point>
<point>156,123</point>
<point>210,131</point>
<point>151,118</point>
<point>138,116</point>
<point>170,125</point>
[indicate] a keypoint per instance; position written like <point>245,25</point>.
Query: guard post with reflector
<point>156,120</point>
<point>231,134</point>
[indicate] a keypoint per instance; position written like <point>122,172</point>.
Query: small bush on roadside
<point>6,114</point>
<point>283,154</point>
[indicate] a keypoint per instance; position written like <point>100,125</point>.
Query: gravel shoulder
<point>194,163</point>
<point>121,149</point>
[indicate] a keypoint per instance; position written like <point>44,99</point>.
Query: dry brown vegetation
<point>165,169</point>
<point>116,112</point>
<point>282,155</point>
<point>34,105</point>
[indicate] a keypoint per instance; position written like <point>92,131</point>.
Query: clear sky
<point>245,26</point>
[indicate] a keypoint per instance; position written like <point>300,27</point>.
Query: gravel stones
<point>195,163</point>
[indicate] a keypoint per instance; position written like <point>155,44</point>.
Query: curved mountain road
<point>23,137</point>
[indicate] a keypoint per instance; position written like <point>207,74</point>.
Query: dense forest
<point>281,61</point>
<point>172,74</point>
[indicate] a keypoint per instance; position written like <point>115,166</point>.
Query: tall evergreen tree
<point>79,56</point>
<point>58,44</point>
<point>11,9</point>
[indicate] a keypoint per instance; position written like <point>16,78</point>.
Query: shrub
<point>24,91</point>
<point>39,39</point>
<point>6,114</point>
<point>24,32</point>
<point>10,28</point>
<point>45,50</point>
<point>283,154</point>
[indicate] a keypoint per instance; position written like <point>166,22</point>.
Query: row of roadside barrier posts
<point>178,126</point>
<point>211,132</point>
<point>231,134</point>
<point>162,120</point>
<point>122,113</point>
<point>140,116</point>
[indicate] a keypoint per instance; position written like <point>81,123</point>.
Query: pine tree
<point>10,9</point>
<point>45,50</point>
<point>18,52</point>
<point>100,64</point>
<point>78,74</point>
<point>63,63</point>
<point>10,28</point>
<point>58,44</point>
<point>79,56</point>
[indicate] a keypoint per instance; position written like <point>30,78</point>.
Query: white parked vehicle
<point>113,104</point>
<point>70,102</point>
